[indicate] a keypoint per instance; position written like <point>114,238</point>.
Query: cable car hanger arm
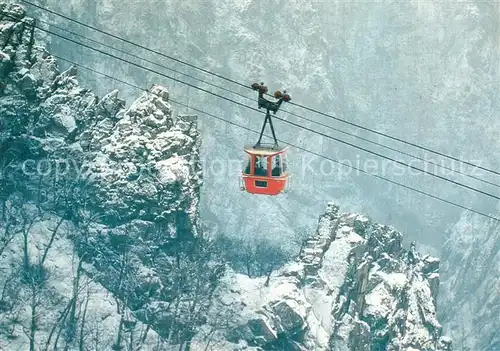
<point>269,106</point>
<point>268,118</point>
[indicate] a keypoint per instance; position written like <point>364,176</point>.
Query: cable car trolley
<point>265,171</point>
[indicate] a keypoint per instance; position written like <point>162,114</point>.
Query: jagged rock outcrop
<point>354,287</point>
<point>140,162</point>
<point>137,163</point>
<point>124,181</point>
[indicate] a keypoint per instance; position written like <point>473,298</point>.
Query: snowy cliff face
<point>354,287</point>
<point>469,305</point>
<point>99,208</point>
<point>137,163</point>
<point>141,158</point>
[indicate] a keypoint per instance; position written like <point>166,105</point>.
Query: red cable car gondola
<point>265,170</point>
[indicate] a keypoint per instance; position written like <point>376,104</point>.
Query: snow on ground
<point>61,263</point>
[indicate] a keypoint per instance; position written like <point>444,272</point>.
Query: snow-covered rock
<point>123,156</point>
<point>125,183</point>
<point>354,287</point>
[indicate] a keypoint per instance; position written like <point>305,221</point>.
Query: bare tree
<point>36,277</point>
<point>28,222</point>
<point>255,257</point>
<point>60,320</point>
<point>269,256</point>
<point>72,324</point>
<point>301,236</point>
<point>10,305</point>
<point>51,240</point>
<point>239,253</point>
<point>204,270</point>
<point>11,219</point>
<point>81,341</point>
<point>222,318</point>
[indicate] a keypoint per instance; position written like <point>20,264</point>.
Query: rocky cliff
<point>103,194</point>
<point>353,287</point>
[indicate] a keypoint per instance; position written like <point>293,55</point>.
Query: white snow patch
<point>173,169</point>
<point>355,238</point>
<point>332,274</point>
<point>379,302</point>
